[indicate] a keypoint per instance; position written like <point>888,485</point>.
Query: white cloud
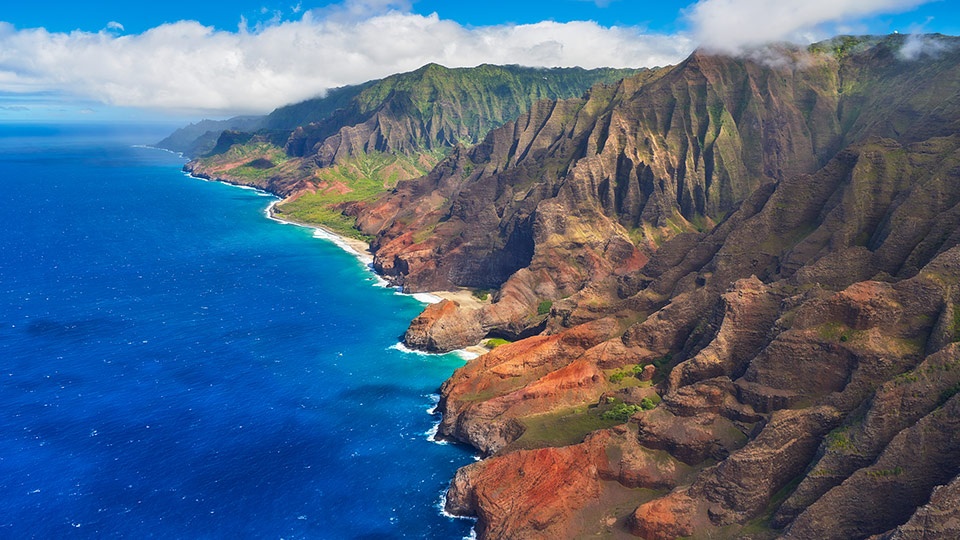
<point>190,67</point>
<point>919,45</point>
<point>731,25</point>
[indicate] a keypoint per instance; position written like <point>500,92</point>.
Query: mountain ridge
<point>358,141</point>
<point>777,240</point>
<point>724,294</point>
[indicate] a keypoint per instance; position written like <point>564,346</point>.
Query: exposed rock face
<point>484,398</point>
<point>732,286</point>
<point>576,191</point>
<point>565,184</point>
<point>936,519</point>
<point>442,327</point>
<point>780,242</point>
<point>884,494</point>
<point>431,108</point>
<point>896,406</point>
<point>543,487</point>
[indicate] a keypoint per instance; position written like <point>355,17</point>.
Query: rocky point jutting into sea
<point>725,294</point>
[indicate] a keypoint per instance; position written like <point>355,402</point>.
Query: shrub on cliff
<point>621,412</point>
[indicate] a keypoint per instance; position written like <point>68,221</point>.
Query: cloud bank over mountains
<point>731,25</point>
<point>189,67</point>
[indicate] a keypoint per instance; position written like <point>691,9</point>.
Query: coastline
<point>361,251</point>
<point>353,246</point>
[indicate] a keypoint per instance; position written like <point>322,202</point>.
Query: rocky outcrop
<point>936,519</point>
<point>897,405</point>
<point>543,488</point>
<point>442,327</point>
<point>885,493</point>
<point>547,488</point>
<point>484,399</point>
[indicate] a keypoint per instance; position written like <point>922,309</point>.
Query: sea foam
<point>434,401</point>
<point>427,298</point>
<point>442,506</point>
<point>432,434</point>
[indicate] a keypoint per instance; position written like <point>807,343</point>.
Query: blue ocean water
<point>175,365</point>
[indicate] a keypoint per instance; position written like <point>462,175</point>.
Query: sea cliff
<point>726,292</point>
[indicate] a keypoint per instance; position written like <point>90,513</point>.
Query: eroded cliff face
<point>570,185</point>
<point>579,190</point>
<point>779,238</point>
<point>810,383</point>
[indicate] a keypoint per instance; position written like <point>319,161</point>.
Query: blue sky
<point>187,59</point>
<point>140,16</point>
<point>660,16</point>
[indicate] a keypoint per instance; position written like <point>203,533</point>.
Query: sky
<point>180,59</point>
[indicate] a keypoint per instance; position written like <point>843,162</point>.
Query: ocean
<point>174,364</point>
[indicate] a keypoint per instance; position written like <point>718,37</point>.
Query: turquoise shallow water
<point>173,364</point>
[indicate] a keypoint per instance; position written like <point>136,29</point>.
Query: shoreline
<point>353,246</point>
<point>361,251</point>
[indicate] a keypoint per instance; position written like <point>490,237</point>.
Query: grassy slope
<point>361,178</point>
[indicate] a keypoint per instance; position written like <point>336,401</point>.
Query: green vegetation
<point>880,473</point>
<point>318,214</point>
<point>561,428</point>
<point>621,412</point>
<point>363,177</point>
<point>571,426</point>
<point>838,440</point>
<point>947,394</point>
<point>260,160</point>
<point>473,100</point>
<point>956,323</point>
<point>906,378</point>
<point>841,46</point>
<point>493,343</point>
<point>485,97</point>
<point>834,331</point>
<point>630,371</point>
<point>481,294</point>
<point>544,307</point>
